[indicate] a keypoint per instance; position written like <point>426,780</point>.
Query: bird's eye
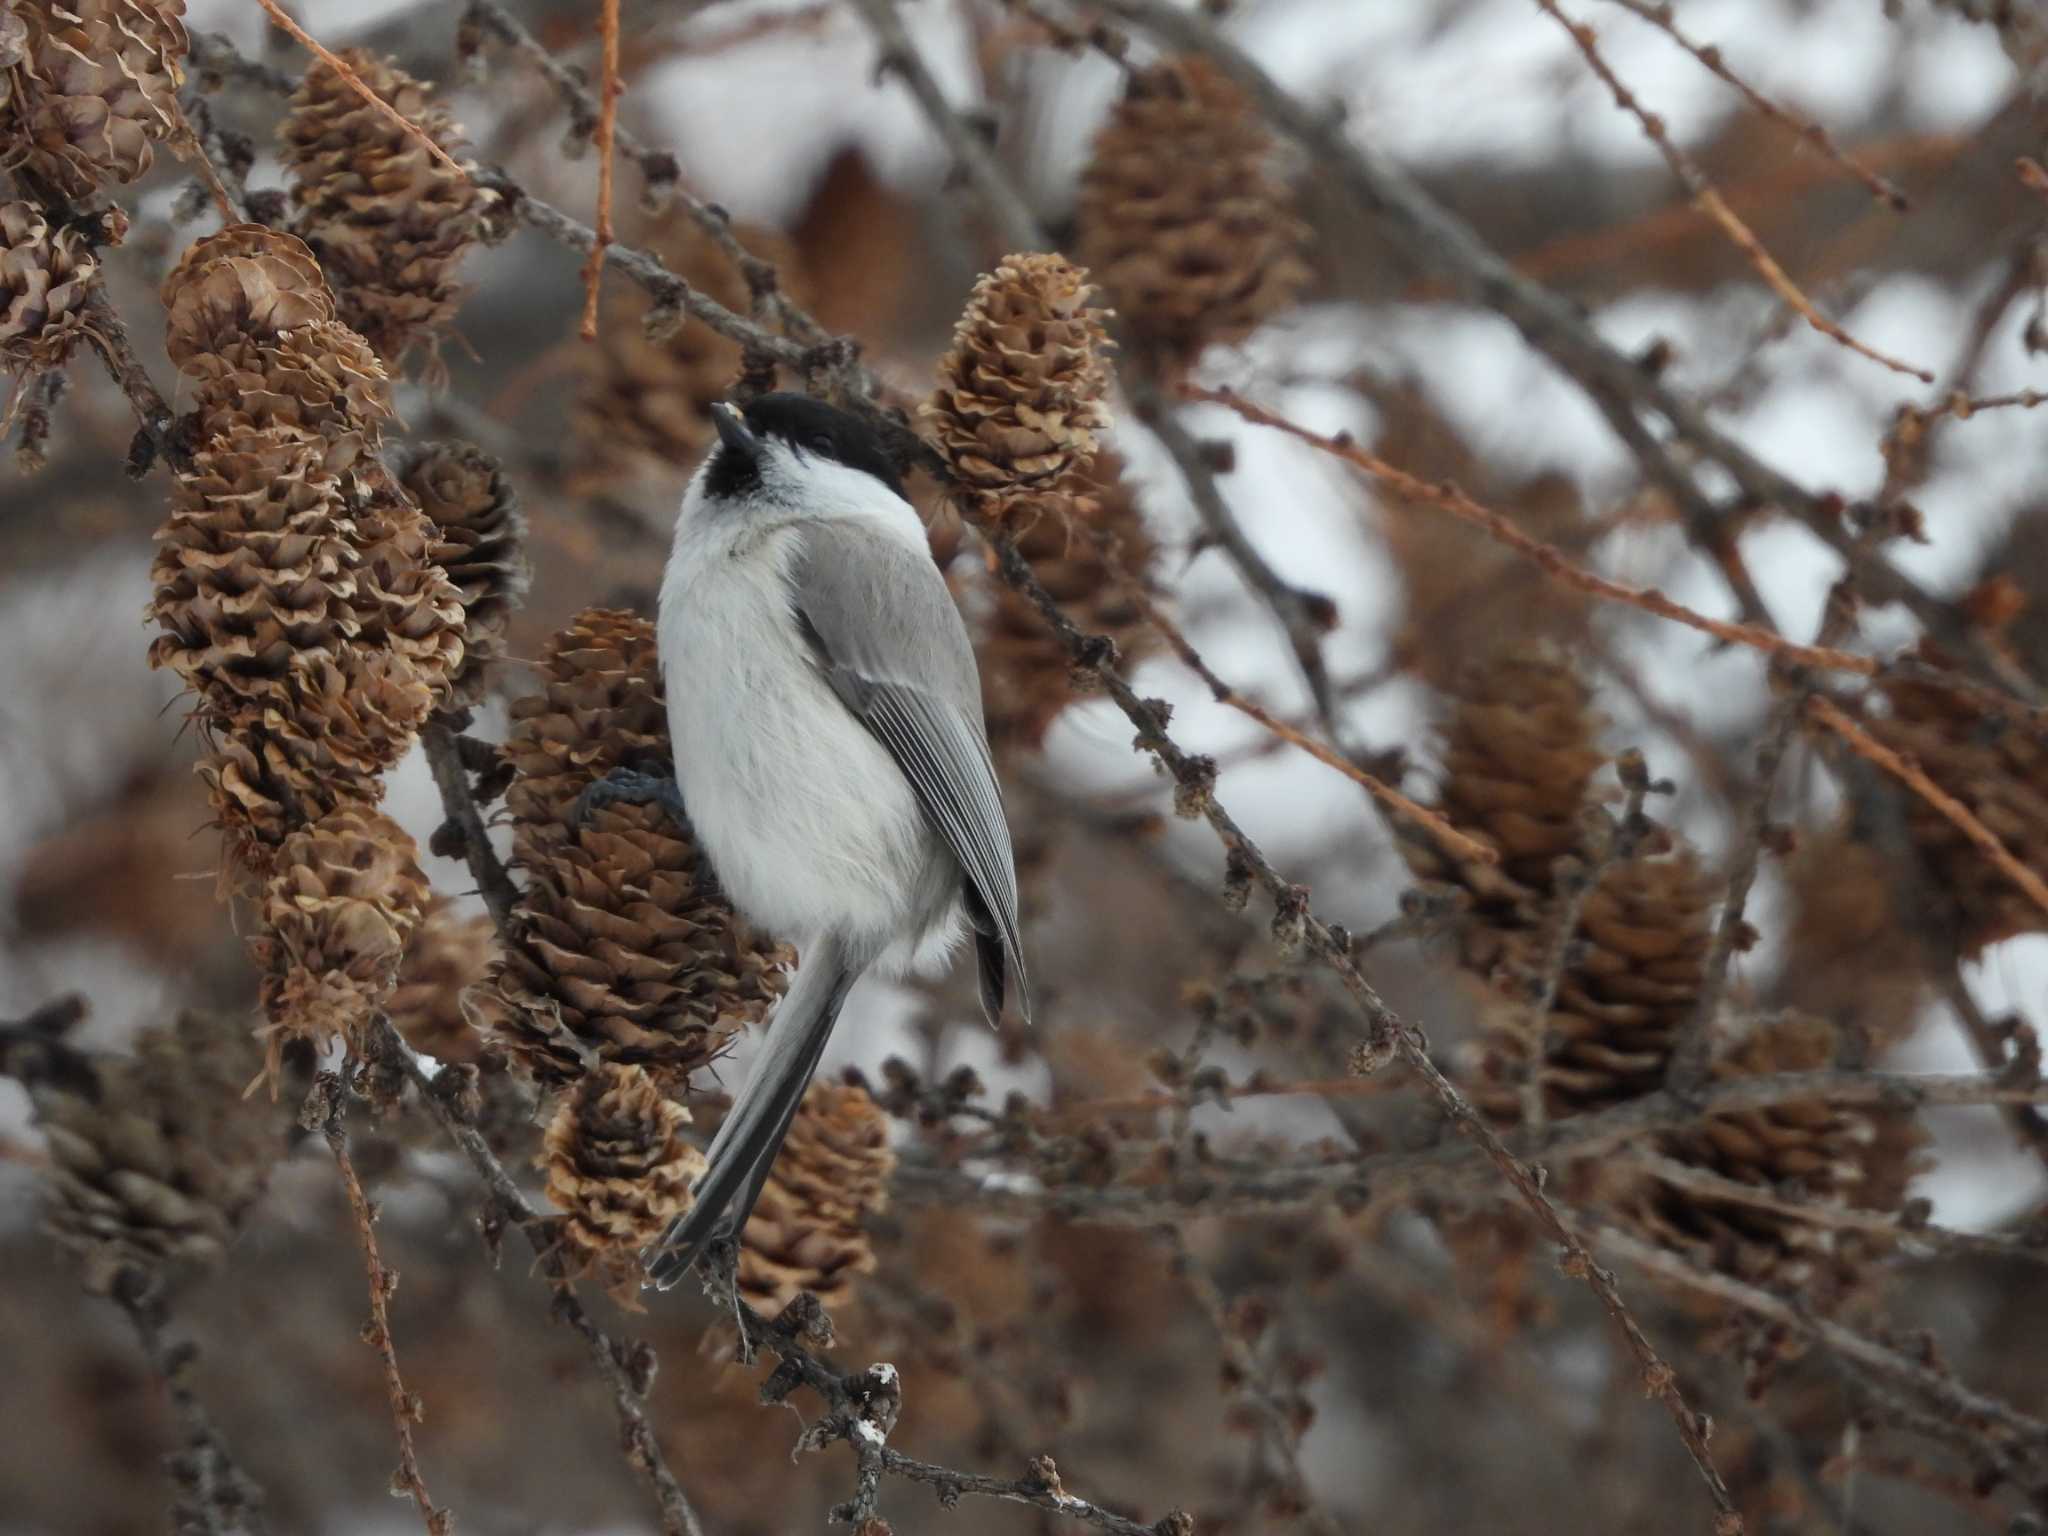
<point>818,442</point>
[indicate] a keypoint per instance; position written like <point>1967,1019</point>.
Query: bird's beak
<point>733,431</point>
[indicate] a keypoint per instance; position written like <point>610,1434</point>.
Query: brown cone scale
<point>808,1231</point>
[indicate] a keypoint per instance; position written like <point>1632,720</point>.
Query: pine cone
<point>481,548</point>
<point>1020,395</point>
<point>45,276</point>
<point>643,408</point>
<point>1519,759</point>
<point>1180,217</point>
<point>622,946</point>
<point>1859,1158</point>
<point>807,1233</point>
<point>449,954</point>
<point>292,579</point>
<point>346,896</point>
<point>1998,769</point>
<point>1027,679</point>
<point>390,221</point>
<point>154,1157</point>
<point>96,86</point>
<point>248,281</point>
<point>619,1168</point>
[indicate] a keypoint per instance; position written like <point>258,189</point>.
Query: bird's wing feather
<point>911,680</point>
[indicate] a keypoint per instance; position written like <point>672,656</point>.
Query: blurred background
<point>1398,1359</point>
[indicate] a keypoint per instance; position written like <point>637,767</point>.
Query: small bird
<point>825,714</point>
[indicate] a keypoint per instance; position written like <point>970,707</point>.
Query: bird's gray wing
<point>892,646</point>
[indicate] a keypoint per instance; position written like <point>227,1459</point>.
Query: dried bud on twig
<point>480,547</point>
<point>154,1157</point>
<point>830,1176</point>
<point>1020,395</point>
<point>1181,218</point>
<point>619,1169</point>
<point>622,945</point>
<point>96,86</point>
<point>390,221</point>
<point>45,275</point>
<point>345,898</point>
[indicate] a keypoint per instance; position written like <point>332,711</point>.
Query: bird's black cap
<point>811,427</point>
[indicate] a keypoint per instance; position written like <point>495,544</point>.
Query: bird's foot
<point>626,786</point>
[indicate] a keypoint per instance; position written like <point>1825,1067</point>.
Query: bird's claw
<point>630,787</point>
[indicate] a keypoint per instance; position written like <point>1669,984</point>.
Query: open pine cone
<point>96,87</point>
<point>622,947</point>
<point>1020,395</point>
<point>154,1156</point>
<point>1181,218</point>
<point>338,912</point>
<point>390,221</point>
<point>619,1170</point>
<point>480,546</point>
<point>293,586</point>
<point>45,275</point>
<point>807,1233</point>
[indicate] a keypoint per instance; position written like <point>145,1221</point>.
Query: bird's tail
<point>744,1148</point>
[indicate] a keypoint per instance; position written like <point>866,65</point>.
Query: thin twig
<point>627,1369</point>
<point>1546,557</point>
<point>1015,222</point>
<point>458,801</point>
<point>360,86</point>
<point>1659,15</point>
<point>607,124</point>
<point>1708,200</point>
<point>1963,1404</point>
<point>1915,778</point>
<point>1305,616</point>
<point>323,1113</point>
<point>1432,822</point>
<point>1921,1234</point>
<point>1386,1034</point>
<point>220,1499</point>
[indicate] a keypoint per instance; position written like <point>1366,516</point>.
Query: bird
<point>830,753</point>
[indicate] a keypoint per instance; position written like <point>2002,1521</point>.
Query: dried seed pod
<point>94,88</point>
<point>619,1169</point>
<point>643,407</point>
<point>154,1157</point>
<point>390,221</point>
<point>345,898</point>
<point>449,954</point>
<point>1020,395</point>
<point>622,948</point>
<point>1829,1155</point>
<point>1849,956</point>
<point>1998,769</point>
<point>480,547</point>
<point>1181,218</point>
<point>1027,677</point>
<point>45,276</point>
<point>808,1231</point>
